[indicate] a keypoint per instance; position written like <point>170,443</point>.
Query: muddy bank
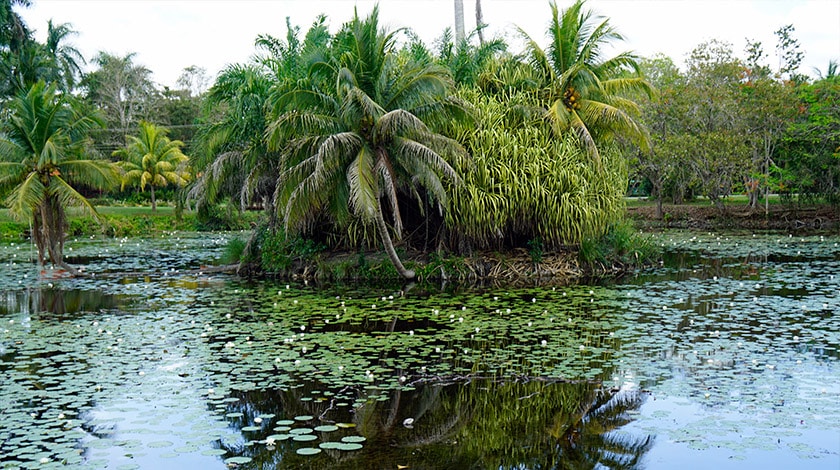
<point>801,218</point>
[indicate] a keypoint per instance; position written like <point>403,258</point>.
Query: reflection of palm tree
<point>586,439</point>
<point>474,424</point>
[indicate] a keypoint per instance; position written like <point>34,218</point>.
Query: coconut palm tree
<point>68,60</point>
<point>43,165</point>
<point>358,135</point>
<point>582,89</point>
<point>152,159</point>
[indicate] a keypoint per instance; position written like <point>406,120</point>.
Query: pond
<point>723,357</point>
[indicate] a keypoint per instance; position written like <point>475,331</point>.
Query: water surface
<point>725,356</point>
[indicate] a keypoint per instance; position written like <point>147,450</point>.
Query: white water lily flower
<point>257,420</point>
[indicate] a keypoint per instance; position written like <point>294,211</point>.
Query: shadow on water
<point>427,425</point>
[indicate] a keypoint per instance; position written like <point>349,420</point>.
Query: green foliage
<point>45,166</point>
<point>620,244</point>
<point>580,89</point>
<point>809,156</point>
<point>358,134</point>
<point>524,183</point>
<point>234,249</point>
<point>535,250</point>
<point>279,253</point>
<point>220,217</point>
<point>153,160</point>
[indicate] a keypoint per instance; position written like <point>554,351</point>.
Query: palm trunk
<point>49,225</point>
<point>154,205</point>
<point>459,22</point>
<point>389,246</point>
<point>479,22</point>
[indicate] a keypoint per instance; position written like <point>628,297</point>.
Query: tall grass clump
<point>622,244</point>
<point>525,182</point>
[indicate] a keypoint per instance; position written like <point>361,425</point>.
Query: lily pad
<point>308,451</point>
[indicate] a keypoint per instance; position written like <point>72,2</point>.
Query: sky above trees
<point>171,35</point>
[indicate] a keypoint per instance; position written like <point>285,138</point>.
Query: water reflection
<point>59,302</point>
<point>465,424</point>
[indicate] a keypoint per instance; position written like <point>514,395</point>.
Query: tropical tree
<point>13,30</point>
<point>358,135</point>
<point>581,89</point>
<point>231,158</point>
<point>66,58</point>
<point>153,160</point>
<point>43,165</point>
<point>123,91</point>
<point>465,60</point>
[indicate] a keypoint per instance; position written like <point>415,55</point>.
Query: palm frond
<point>26,196</point>
<point>364,191</point>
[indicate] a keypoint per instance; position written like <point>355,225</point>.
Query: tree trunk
<point>459,22</point>
<point>389,246</point>
<point>154,205</point>
<point>49,223</point>
<point>659,207</point>
<point>479,22</point>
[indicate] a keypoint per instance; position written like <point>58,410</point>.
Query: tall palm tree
<point>67,58</point>
<point>42,165</point>
<point>357,136</point>
<point>152,159</point>
<point>583,90</point>
<point>232,158</point>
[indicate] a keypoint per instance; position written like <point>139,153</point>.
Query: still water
<point>723,357</point>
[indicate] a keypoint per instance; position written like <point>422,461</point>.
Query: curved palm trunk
<point>48,231</point>
<point>389,246</point>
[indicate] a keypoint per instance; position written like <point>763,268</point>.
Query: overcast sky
<point>169,35</point>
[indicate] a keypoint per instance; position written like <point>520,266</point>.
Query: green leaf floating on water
<point>308,451</point>
<point>238,460</point>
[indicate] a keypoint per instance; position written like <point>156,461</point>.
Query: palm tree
<point>232,156</point>
<point>66,57</point>
<point>357,135</point>
<point>152,159</point>
<point>42,165</point>
<point>584,91</point>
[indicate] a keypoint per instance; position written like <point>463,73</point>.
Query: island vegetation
<point>460,158</point>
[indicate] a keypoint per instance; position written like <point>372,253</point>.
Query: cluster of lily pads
<point>162,369</point>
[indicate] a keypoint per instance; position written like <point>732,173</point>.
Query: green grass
<point>118,222</point>
<point>736,200</point>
